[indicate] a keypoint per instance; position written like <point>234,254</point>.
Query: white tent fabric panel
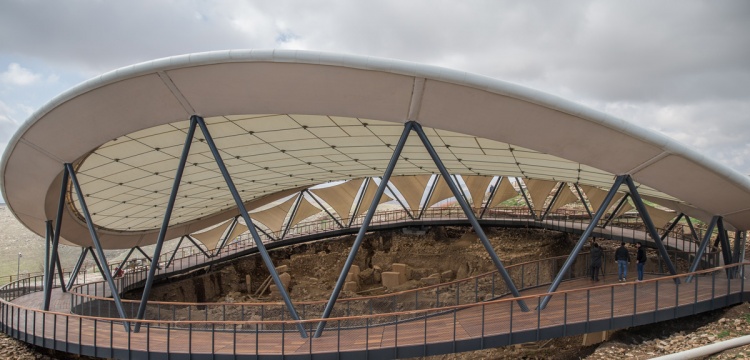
<point>659,217</point>
<point>442,191</point>
<point>305,210</point>
<point>539,190</point>
<point>566,197</point>
<point>212,237</point>
<point>477,186</point>
<point>596,197</point>
<point>370,191</point>
<point>340,197</point>
<point>411,188</point>
<point>273,217</point>
<point>239,229</point>
<point>625,208</point>
<point>505,191</point>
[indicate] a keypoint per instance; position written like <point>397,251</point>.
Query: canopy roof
<point>287,120</point>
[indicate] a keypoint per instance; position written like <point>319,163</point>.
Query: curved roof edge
<point>387,65</point>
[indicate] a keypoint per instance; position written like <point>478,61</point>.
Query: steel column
<point>671,227</point>
<point>97,245</point>
<point>492,196</point>
<point>429,196</point>
<point>408,211</point>
<point>175,252</point>
<point>583,201</point>
<point>324,208</point>
<point>469,214</point>
<point>554,198</point>
<point>294,213</point>
<point>56,233</point>
<point>165,221</point>
<point>198,246</point>
<point>77,268</point>
<point>461,189</point>
<point>363,229</point>
<point>54,259</point>
<point>619,206</point>
<point>702,247</point>
<point>226,237</point>
<point>736,252</point>
<point>582,240</point>
<point>526,198</point>
<point>692,229</point>
<point>122,263</point>
<point>650,226</point>
<point>146,255</point>
<point>726,252</point>
<point>249,223</point>
<point>96,261</point>
<point>364,187</point>
<point>47,286</point>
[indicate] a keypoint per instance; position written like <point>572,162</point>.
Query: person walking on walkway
<point>596,261</point>
<point>622,257</point>
<point>640,259</point>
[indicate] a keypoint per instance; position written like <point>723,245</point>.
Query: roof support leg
<point>295,208</point>
<point>56,233</point>
<point>736,252</point>
<point>146,256</point>
<point>469,214</point>
<point>363,229</point>
<point>249,223</point>
<point>492,196</point>
<point>650,226</point>
<point>341,226</point>
<point>582,240</point>
<point>408,212</point>
<point>122,263</point>
<point>48,269</point>
<point>726,251</point>
<point>165,221</point>
<point>365,185</point>
<point>198,246</point>
<point>671,227</point>
<point>77,268</point>
<point>617,208</point>
<point>226,237</point>
<point>702,247</point>
<point>554,198</point>
<point>583,200</point>
<point>175,251</point>
<point>97,245</point>
<point>526,198</point>
<point>692,228</point>
<point>429,195</point>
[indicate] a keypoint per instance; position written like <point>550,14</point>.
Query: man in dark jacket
<point>640,259</point>
<point>622,257</point>
<point>596,261</point>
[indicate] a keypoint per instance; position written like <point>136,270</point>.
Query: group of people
<point>622,258</point>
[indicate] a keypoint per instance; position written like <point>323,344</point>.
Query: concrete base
<point>595,338</point>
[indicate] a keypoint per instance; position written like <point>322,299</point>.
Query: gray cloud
<point>680,67</point>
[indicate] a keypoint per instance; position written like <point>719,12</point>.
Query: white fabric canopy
<point>370,191</point>
<point>340,197</point>
<point>412,188</point>
<point>567,196</point>
<point>273,217</point>
<point>305,210</point>
<point>596,197</point>
<point>505,191</point>
<point>212,237</point>
<point>477,186</point>
<point>442,192</point>
<point>660,217</point>
<point>539,191</point>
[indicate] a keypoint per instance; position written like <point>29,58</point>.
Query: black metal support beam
<point>469,214</point>
<point>195,243</point>
<point>165,220</point>
<point>460,188</point>
<point>48,269</point>
<point>341,226</point>
<point>177,248</point>
<point>363,228</point>
<point>526,198</point>
<point>582,240</point>
<point>554,198</point>
<point>76,269</point>
<point>224,241</point>
<point>122,263</point>
<point>56,235</point>
<point>408,211</point>
<point>619,206</point>
<point>702,247</point>
<point>361,197</point>
<point>692,228</point>
<point>295,208</point>
<point>97,245</point>
<point>429,196</point>
<point>146,256</point>
<point>726,251</point>
<point>583,200</point>
<point>491,197</point>
<point>249,222</point>
<point>671,227</point>
<point>641,207</point>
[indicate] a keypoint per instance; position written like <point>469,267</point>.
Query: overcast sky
<point>678,67</point>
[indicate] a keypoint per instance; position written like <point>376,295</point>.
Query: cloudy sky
<point>678,67</point>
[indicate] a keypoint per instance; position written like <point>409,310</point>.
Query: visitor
<point>622,257</point>
<point>596,261</point>
<point>640,259</point>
